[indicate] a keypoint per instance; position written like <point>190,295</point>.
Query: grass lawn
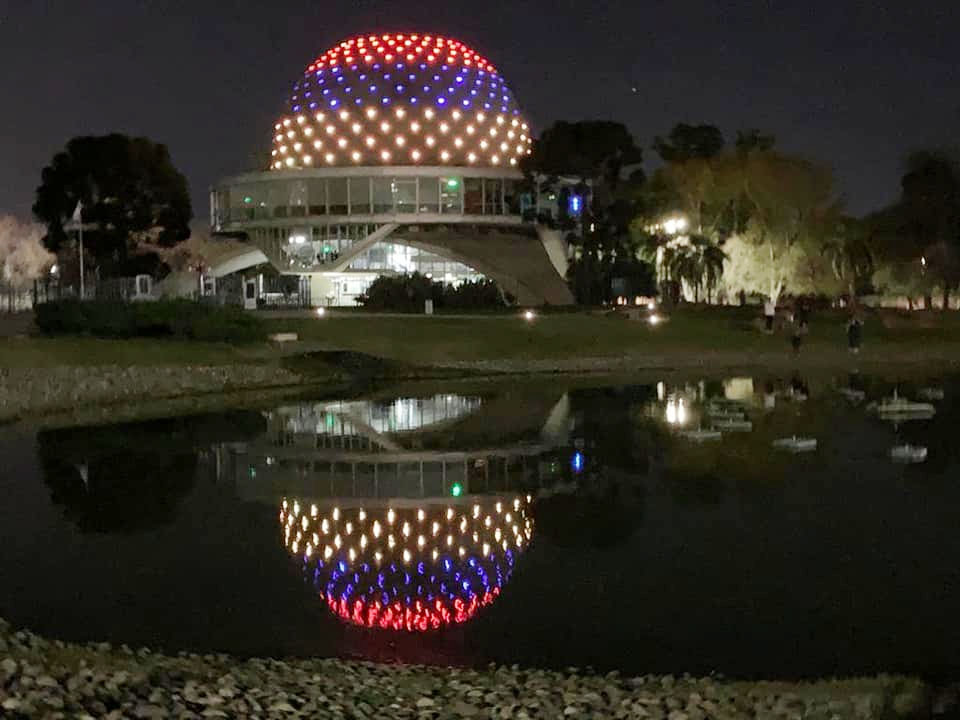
<point>438,339</point>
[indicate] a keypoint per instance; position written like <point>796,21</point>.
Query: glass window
<point>317,195</point>
<point>429,195</point>
<point>405,194</point>
<point>337,195</point>
<point>511,198</point>
<point>473,196</point>
<point>382,195</point>
<point>298,198</point>
<point>450,188</point>
<point>360,196</point>
<point>492,199</point>
<point>277,200</point>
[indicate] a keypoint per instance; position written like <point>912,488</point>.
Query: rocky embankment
<point>51,679</point>
<point>45,390</point>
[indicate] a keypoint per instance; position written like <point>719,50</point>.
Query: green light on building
<point>248,199</point>
<point>456,490</point>
<point>452,183</point>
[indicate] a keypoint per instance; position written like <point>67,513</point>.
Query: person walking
<point>854,334</point>
<point>769,312</point>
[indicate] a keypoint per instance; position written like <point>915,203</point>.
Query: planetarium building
<point>397,153</point>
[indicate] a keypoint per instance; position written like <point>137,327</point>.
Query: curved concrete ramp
<point>517,261</point>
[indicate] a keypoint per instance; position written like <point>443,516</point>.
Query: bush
<point>175,319</point>
<point>408,293</point>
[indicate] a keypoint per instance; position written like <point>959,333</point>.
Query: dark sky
<point>852,84</point>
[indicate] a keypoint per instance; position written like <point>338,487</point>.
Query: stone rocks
<point>41,679</point>
<point>35,390</point>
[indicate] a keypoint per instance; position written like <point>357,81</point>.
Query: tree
<point>850,255</point>
<point>792,210</point>
<point>930,213</point>
<point>598,156</point>
<point>687,142</point>
<point>130,192</point>
<point>23,258</point>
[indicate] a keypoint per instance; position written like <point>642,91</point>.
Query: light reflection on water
<point>639,548</point>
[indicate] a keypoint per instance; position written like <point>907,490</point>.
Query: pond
<point>546,523</point>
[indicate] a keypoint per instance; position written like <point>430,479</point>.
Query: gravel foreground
<point>52,679</point>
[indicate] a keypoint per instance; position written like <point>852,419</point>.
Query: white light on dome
<point>307,159</point>
<point>371,113</point>
<point>415,155</point>
<point>329,158</point>
<point>297,147</point>
<point>319,117</point>
<point>456,114</point>
<point>289,162</point>
<point>286,122</point>
<point>414,127</point>
<point>355,156</point>
<point>317,144</point>
<point>384,127</point>
<point>385,155</point>
<point>430,141</point>
<point>331,129</point>
<point>481,117</point>
<point>458,142</point>
<point>444,127</point>
<point>495,160</point>
<point>428,114</point>
<point>400,140</point>
<point>291,134</point>
<point>356,127</point>
<point>472,157</point>
<point>400,112</point>
<point>344,115</point>
<point>444,156</point>
<point>484,144</point>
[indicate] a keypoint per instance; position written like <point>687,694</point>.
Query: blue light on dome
<point>441,101</point>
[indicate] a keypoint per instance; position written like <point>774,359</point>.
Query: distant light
<point>456,490</point>
<point>321,311</point>
<point>577,462</point>
<point>654,319</point>
<point>529,315</point>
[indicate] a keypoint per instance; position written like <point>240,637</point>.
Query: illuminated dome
<point>412,568</point>
<point>400,99</point>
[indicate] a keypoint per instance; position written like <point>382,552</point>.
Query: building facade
<point>397,153</point>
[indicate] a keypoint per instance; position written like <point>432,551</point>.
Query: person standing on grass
<point>769,311</point>
<point>796,338</point>
<point>854,334</point>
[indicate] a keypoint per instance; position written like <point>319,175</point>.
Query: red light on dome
<point>418,617</point>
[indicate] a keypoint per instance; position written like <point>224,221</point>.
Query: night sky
<point>852,84</point>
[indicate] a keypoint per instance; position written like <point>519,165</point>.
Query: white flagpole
<point>78,218</point>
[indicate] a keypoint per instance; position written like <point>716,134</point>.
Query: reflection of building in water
<point>396,449</point>
<point>410,566</point>
<point>334,422</point>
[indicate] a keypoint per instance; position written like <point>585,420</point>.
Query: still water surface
<point>526,523</point>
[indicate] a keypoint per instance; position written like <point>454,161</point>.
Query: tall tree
<point>930,214</point>
<point>792,210</point>
<point>687,142</point>
<point>130,192</point>
<point>850,255</point>
<point>603,160</point>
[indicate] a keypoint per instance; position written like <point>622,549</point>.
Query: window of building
<point>317,196</point>
<point>429,195</point>
<point>360,196</point>
<point>473,196</point>
<point>450,195</point>
<point>405,194</point>
<point>382,195</point>
<point>492,196</point>
<point>337,195</point>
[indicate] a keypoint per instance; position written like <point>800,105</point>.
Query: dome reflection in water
<point>416,565</point>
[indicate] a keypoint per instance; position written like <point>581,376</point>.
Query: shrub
<point>407,293</point>
<point>175,318</point>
